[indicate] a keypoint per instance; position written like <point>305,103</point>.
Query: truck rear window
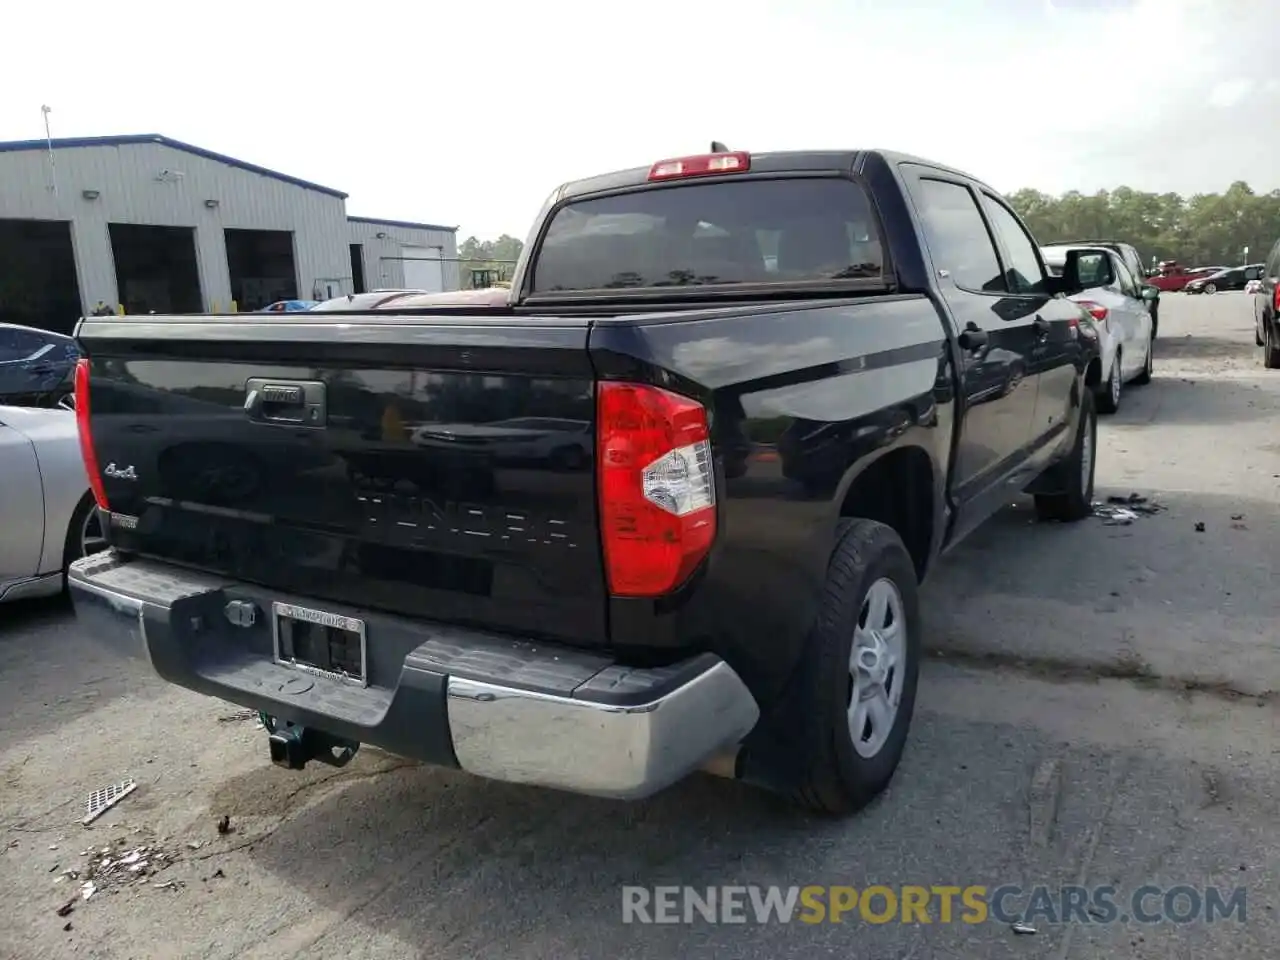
<point>781,231</point>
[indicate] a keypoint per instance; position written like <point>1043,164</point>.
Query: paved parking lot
<point>1100,707</point>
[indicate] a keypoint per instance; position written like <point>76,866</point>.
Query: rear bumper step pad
<point>512,710</point>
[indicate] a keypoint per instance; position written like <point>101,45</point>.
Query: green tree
<point>1207,229</point>
<point>496,257</point>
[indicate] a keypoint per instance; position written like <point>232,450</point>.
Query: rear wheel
<point>860,671</point>
<point>1074,476</point>
<point>85,534</point>
<point>1270,349</point>
<point>1210,288</point>
<point>1148,367</point>
<point>1109,395</point>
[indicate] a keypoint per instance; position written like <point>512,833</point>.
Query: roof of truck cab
<point>784,161</point>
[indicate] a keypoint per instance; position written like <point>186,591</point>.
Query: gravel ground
<point>1100,708</point>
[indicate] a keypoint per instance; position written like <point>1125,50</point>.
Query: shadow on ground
<point>1187,399</point>
<point>1196,347</point>
<point>1158,597</point>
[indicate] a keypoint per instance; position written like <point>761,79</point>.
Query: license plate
<point>321,643</point>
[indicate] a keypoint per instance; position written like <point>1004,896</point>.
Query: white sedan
<point>47,513</point>
<point>1120,306</point>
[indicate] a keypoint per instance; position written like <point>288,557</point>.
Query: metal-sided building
<point>396,254</point>
<point>149,223</point>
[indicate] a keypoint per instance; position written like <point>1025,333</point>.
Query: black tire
<point>1075,501</point>
<point>71,544</point>
<point>1110,390</point>
<point>1155,319</point>
<point>837,779</point>
<point>1149,367</point>
<point>1270,349</point>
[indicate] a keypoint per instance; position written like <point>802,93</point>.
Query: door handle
<point>973,337</point>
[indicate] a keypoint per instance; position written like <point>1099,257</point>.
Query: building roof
<point>406,224</point>
<point>12,146</point>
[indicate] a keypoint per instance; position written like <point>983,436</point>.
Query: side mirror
<point>1150,293</point>
<point>1085,269</point>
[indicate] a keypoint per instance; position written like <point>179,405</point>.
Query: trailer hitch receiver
<point>293,746</point>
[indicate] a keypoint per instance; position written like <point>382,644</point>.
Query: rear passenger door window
<point>1124,278</point>
<point>1026,273</point>
<point>958,236</point>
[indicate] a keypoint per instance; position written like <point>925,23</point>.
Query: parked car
<point>1128,253</point>
<point>289,306</point>
<point>1170,276</point>
<point>729,581</point>
<point>1266,310</point>
<point>46,511</point>
<point>1228,278</point>
<point>1118,303</point>
<point>35,366</point>
<point>362,301</point>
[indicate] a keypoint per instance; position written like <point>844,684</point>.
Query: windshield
<point>697,234</point>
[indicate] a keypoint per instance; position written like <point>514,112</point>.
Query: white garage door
<point>422,269</point>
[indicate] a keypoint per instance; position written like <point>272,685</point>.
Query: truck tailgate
<point>434,467</point>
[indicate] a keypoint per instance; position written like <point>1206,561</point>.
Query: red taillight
<point>701,166</point>
<point>1275,299</point>
<point>657,488</point>
<point>1096,310</point>
<point>86,438</point>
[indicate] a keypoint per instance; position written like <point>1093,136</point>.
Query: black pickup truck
<point>665,509</point>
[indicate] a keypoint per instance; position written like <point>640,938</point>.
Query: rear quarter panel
<point>63,480</point>
<point>802,399</point>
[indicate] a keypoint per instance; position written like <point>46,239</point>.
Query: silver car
<point>47,513</point>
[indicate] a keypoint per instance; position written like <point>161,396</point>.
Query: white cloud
<point>463,114</point>
<point>1230,92</point>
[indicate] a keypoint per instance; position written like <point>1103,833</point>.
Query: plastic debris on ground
<point>242,716</point>
<point>1120,511</point>
<point>1025,929</point>
<point>100,801</point>
<point>109,868</point>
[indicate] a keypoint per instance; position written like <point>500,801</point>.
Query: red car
<point>1171,276</point>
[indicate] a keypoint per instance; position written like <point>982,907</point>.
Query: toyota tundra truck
<point>788,382</point>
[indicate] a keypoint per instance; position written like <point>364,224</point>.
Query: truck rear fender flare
<point>900,485</point>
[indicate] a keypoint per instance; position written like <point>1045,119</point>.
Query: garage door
<point>422,269</point>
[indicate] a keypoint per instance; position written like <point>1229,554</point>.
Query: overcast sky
<point>470,113</point>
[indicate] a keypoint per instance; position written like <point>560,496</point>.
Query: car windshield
<point>722,234</point>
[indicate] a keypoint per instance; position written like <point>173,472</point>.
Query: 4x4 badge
<point>115,473</point>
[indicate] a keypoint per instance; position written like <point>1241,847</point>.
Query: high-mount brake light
<point>657,487</point>
<point>703,165</point>
<point>87,452</point>
<point>1096,310</point>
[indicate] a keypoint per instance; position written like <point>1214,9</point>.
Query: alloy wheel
<point>877,667</point>
<point>92,539</point>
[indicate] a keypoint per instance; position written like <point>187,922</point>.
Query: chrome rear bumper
<point>497,707</point>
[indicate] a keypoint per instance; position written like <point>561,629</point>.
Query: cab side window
<point>957,236</point>
<point>1025,273</point>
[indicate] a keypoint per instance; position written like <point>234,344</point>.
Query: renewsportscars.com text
<point>974,904</point>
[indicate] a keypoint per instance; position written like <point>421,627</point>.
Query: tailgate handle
<point>297,403</point>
